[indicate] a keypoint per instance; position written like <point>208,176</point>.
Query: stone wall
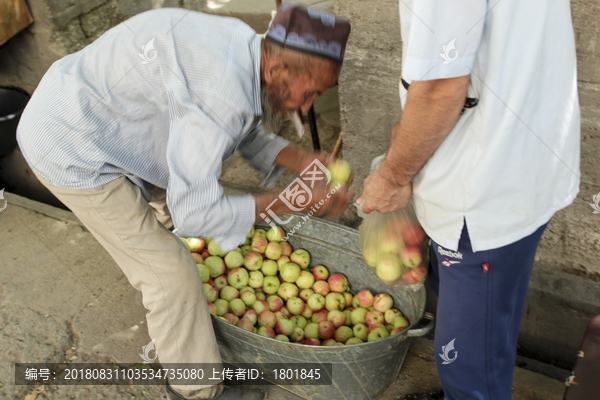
<point>369,104</point>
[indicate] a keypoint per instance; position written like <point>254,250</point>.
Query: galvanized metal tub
<point>360,372</point>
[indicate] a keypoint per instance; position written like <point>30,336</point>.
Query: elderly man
<point>489,143</point>
<point>109,129</point>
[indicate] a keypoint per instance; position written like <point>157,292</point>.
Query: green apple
<point>271,284</point>
<point>238,277</point>
<point>269,267</point>
<point>305,280</point>
<point>290,272</point>
<point>237,307</point>
<point>311,330</point>
<point>222,307</point>
<point>340,172</point>
<point>256,279</point>
<point>301,258</point>
<point>283,338</point>
<point>334,301</point>
<point>359,315</point>
<point>361,331</point>
<point>400,322</point>
<point>215,250</point>
<point>354,340</point>
<point>250,233</point>
<point>259,233</point>
<point>343,333</point>
<point>245,249</point>
<point>275,234</point>
<point>376,334</point>
<point>204,272</point>
<point>299,321</point>
<point>234,259</point>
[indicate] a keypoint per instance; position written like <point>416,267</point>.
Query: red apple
<point>305,294</point>
<point>411,256</point>
<point>267,318</point>
<point>320,273</point>
<point>365,298</point>
<point>205,254</point>
<point>212,308</point>
<point>396,330</point>
<point>259,244</point>
<point>337,318</point>
<point>253,261</point>
<point>250,315</point>
<point>286,312</point>
<point>373,317</point>
<point>374,326</point>
<point>198,258</point>
<point>338,283</point>
<point>210,292</point>
<point>297,335</point>
<point>232,319</point>
<point>245,324</point>
<point>220,282</point>
<point>326,330</point>
<point>415,275</point>
<point>195,245</point>
<point>266,331</point>
<point>321,287</point>
<point>320,316</point>
<point>286,249</point>
<point>413,234</point>
<point>312,342</point>
<point>275,303</point>
<point>301,258</point>
<point>260,306</point>
<point>383,302</point>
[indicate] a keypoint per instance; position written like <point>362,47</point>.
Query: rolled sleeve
<point>196,200</point>
<point>441,39</point>
<point>260,150</point>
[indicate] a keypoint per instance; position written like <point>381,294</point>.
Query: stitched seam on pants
<point>488,329</point>
<point>146,261</point>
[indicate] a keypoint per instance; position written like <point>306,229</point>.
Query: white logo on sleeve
<point>446,52</point>
<point>146,352</point>
<point>446,352</point>
<point>146,49</point>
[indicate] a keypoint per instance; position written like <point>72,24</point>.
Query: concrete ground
<point>64,299</point>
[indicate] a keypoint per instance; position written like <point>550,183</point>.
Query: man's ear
<point>275,71</point>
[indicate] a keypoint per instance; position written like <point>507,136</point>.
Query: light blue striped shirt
<point>165,113</point>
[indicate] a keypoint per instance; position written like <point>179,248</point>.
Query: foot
<point>228,393</point>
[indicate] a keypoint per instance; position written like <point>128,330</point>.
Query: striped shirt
<point>164,99</point>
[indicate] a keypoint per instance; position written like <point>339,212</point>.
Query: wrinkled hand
<point>326,203</point>
<point>309,157</point>
<point>379,194</point>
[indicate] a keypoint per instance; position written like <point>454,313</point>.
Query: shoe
<point>228,393</point>
<point>425,396</point>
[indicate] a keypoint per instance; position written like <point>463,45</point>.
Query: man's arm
<point>432,109</point>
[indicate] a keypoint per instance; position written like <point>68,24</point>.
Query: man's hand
<point>295,159</point>
<point>323,202</point>
<point>381,194</point>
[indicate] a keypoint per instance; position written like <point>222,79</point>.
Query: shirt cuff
<point>271,177</point>
<point>244,209</point>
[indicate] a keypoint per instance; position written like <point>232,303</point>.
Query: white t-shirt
<point>512,161</point>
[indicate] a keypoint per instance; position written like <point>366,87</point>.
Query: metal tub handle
<point>428,320</point>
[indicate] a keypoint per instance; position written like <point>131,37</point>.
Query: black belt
<point>469,103</point>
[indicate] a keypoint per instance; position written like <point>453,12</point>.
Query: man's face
<point>289,91</point>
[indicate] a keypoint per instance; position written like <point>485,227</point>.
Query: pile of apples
<point>392,247</point>
<point>267,288</point>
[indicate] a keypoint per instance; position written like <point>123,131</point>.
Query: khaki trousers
<point>156,263</point>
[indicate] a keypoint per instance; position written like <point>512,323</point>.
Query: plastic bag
<point>394,245</point>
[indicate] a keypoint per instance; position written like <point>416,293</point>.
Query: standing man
<point>109,127</point>
<point>488,148</point>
